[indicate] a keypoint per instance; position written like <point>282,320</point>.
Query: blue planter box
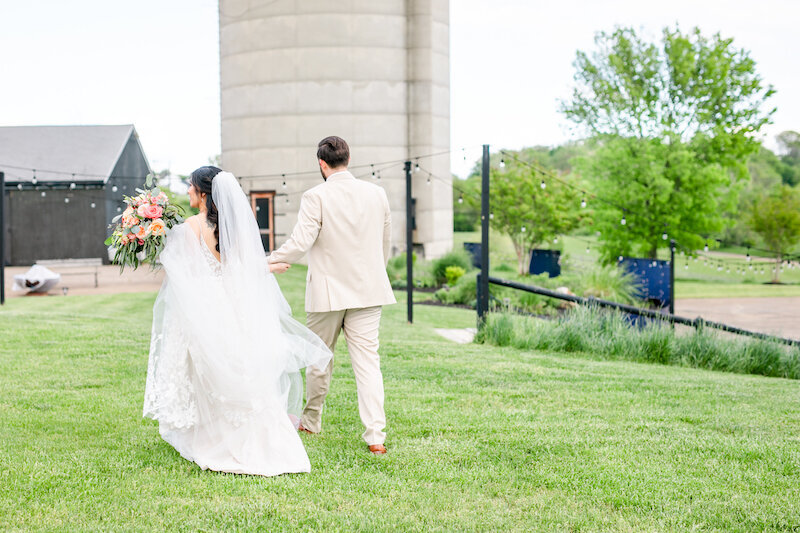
<point>652,276</point>
<point>548,261</point>
<point>474,249</point>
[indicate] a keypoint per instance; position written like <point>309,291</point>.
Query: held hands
<point>279,268</point>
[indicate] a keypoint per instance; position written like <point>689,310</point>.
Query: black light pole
<point>2,238</point>
<point>409,246</point>
<point>672,276</point>
<point>483,279</point>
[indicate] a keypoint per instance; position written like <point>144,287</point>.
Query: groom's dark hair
<point>334,151</point>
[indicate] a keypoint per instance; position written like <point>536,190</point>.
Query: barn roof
<point>58,152</point>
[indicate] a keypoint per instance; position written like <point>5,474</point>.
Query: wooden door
<point>263,204</point>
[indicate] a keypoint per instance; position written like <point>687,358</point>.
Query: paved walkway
<point>109,281</point>
<point>775,316</point>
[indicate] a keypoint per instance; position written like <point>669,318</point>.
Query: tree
<point>776,217</point>
<point>522,209</point>
<point>674,125</point>
<point>789,144</point>
<point>466,217</point>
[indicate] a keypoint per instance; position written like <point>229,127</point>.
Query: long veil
<point>246,349</point>
<point>277,340</point>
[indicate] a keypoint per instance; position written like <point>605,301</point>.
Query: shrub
<point>396,270</point>
<point>453,273</point>
<point>464,291</point>
<point>456,257</point>
<point>610,283</point>
<point>609,334</point>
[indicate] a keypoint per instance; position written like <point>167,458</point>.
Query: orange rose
<point>140,232</point>
<point>157,227</point>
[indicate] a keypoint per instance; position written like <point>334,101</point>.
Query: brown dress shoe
<point>377,449</point>
<point>301,428</point>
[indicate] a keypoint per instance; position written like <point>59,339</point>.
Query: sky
<point>155,64</point>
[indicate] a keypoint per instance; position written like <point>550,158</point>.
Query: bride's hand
<point>279,268</point>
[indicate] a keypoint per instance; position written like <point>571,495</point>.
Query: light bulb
<point>543,185</point>
<point>44,194</point>
<point>491,216</point>
<point>72,185</point>
<point>705,248</point>
<point>66,200</point>
<point>623,221</point>
<point>502,163</point>
<point>114,188</point>
<point>583,203</point>
<point>461,199</point>
<point>523,229</point>
<point>664,236</point>
<point>416,167</point>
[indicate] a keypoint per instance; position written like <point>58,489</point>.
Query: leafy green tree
<point>674,124</point>
<point>789,143</point>
<point>466,217</point>
<point>776,218</point>
<point>522,209</point>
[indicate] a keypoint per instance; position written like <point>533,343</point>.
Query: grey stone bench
<point>74,267</point>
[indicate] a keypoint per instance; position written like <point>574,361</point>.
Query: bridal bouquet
<point>139,232</point>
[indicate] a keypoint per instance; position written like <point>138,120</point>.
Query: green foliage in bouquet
<point>139,233</point>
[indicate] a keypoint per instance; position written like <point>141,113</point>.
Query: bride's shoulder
<point>193,223</point>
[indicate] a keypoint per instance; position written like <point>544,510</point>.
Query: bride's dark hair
<point>201,179</point>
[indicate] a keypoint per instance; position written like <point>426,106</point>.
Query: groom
<point>344,225</point>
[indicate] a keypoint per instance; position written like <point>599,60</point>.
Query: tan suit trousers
<point>360,328</point>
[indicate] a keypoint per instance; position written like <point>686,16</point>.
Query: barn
<point>64,185</point>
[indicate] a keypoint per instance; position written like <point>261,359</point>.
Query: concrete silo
<point>374,73</point>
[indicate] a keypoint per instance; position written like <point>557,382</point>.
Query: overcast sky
<point>154,63</point>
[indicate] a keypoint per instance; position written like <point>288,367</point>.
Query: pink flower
<point>152,211</point>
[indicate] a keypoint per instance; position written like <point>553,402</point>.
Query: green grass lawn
<point>693,278</point>
<point>480,438</point>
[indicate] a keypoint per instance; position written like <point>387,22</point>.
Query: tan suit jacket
<point>344,225</point>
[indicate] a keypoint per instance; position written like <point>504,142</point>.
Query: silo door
<point>263,204</point>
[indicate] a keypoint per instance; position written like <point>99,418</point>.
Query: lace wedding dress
<point>225,356</point>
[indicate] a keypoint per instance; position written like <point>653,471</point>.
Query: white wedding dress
<point>225,355</point>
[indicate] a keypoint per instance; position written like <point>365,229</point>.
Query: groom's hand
<point>279,268</point>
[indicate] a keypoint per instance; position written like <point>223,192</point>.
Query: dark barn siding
<point>48,228</point>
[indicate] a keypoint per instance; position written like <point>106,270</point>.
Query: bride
<point>223,378</point>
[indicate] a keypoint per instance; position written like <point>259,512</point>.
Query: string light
<point>664,236</point>
<point>555,240</point>
<point>491,216</point>
<point>416,167</point>
<point>623,221</point>
<point>587,249</point>
<point>543,185</point>
<point>72,186</point>
<point>583,203</point>
<point>114,188</point>
<point>44,194</point>
<point>373,170</point>
<point>461,198</point>
<point>284,180</point>
<point>523,229</point>
<point>19,186</point>
<point>502,163</point>
<point>428,181</point>
<point>93,205</point>
<point>705,248</point>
